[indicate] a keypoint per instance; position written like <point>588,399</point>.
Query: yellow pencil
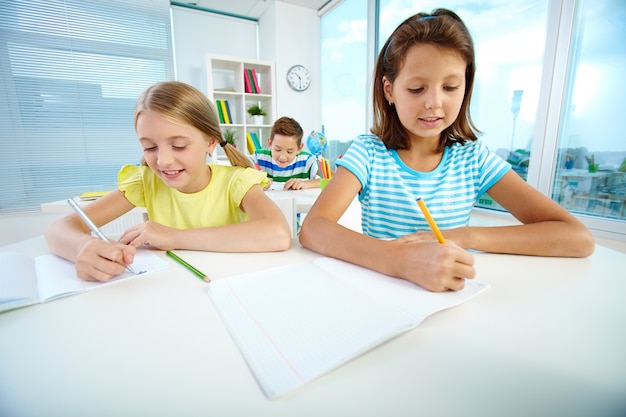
<point>431,221</point>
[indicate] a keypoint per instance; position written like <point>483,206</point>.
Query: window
<point>345,75</point>
<point>71,72</point>
<point>509,40</point>
<point>590,163</point>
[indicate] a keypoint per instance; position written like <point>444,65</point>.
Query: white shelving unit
<point>225,81</point>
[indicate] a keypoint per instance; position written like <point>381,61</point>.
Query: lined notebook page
<point>56,277</point>
<point>297,322</point>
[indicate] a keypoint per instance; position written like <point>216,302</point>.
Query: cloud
<point>350,32</point>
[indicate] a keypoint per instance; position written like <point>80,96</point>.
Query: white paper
<point>24,280</point>
<point>297,322</point>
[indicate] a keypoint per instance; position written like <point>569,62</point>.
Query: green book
<point>219,110</point>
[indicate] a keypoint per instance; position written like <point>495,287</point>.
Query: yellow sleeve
<point>244,180</point>
<point>130,182</point>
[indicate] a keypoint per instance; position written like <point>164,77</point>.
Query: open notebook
<point>25,280</point>
<point>296,322</point>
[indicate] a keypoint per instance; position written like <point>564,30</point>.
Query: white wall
<point>290,35</point>
<point>197,33</point>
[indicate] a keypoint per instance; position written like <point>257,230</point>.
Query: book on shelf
<point>250,144</point>
<point>255,140</point>
<point>219,111</point>
<point>247,88</point>
<point>25,280</point>
<point>230,117</point>
<point>222,105</point>
<point>255,80</point>
<point>297,322</point>
<point>251,81</point>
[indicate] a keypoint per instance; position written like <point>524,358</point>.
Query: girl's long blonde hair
<point>183,103</point>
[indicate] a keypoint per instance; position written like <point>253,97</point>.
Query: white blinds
<point>70,73</point>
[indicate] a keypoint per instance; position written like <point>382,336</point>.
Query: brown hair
<point>442,28</point>
<point>287,126</point>
<point>182,103</point>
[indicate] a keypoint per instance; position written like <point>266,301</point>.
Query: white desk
<point>548,339</point>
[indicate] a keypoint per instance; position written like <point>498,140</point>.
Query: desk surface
<point>548,339</point>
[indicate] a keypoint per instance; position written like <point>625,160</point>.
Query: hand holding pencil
<point>90,267</point>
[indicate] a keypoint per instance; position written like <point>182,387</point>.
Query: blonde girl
<point>190,204</point>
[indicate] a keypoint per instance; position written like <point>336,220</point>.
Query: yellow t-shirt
<point>216,205</point>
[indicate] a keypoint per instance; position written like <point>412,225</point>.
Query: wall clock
<point>299,78</point>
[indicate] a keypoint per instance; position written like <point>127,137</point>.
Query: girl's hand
<point>98,260</point>
<point>150,234</point>
<point>420,259</point>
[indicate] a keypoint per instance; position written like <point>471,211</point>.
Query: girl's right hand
<point>430,264</point>
<point>98,260</point>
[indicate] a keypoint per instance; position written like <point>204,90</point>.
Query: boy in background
<point>285,161</point>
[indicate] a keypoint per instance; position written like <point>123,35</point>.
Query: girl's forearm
<point>550,238</point>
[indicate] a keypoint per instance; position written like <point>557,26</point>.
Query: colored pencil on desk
<point>184,263</point>
<point>431,221</point>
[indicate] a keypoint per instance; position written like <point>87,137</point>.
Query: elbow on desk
<point>587,245</point>
<point>578,245</point>
<point>281,241</point>
<point>304,237</point>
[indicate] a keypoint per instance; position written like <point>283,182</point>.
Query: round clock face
<point>299,78</point>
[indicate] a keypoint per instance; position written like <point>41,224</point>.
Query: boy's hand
<point>295,184</point>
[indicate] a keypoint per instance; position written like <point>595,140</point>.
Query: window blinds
<point>70,73</point>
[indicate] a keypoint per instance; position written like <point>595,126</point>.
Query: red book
<point>256,81</point>
<point>246,81</point>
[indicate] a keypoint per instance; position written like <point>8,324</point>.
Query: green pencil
<point>181,261</point>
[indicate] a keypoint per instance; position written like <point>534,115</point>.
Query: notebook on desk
<point>26,281</point>
<point>295,323</point>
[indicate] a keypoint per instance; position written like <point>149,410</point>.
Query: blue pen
<point>83,216</point>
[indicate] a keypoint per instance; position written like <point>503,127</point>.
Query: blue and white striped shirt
<point>390,188</point>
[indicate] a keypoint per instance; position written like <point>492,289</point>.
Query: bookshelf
<point>225,82</point>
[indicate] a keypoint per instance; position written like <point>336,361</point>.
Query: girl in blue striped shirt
<point>424,145</point>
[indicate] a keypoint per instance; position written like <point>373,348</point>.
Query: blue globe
<point>316,142</point>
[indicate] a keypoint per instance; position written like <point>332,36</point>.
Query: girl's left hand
<point>149,234</point>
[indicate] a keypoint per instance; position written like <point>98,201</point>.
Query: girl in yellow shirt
<point>190,204</point>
